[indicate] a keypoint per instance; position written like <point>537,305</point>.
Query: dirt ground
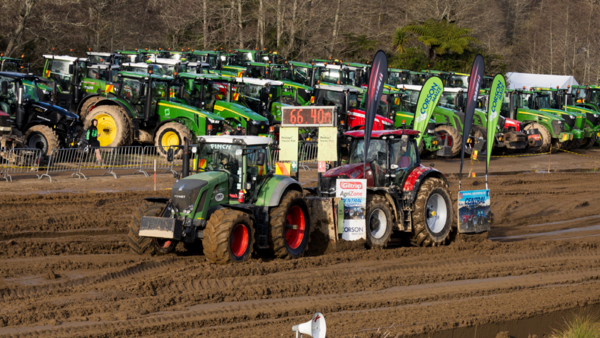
<point>67,270</point>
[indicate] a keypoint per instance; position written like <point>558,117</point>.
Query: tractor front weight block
<point>161,227</point>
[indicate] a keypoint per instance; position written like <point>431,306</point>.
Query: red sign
<point>351,185</point>
<point>311,116</point>
<point>322,166</point>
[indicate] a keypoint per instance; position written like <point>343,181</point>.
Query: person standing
<point>238,130</point>
<point>92,137</point>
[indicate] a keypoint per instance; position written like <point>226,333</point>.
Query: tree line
<point>534,36</point>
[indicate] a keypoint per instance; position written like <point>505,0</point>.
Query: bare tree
<point>24,13</point>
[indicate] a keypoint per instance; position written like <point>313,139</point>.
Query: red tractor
<point>402,195</point>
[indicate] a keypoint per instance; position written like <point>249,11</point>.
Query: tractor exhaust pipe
<point>185,171</point>
<point>148,99</point>
<point>19,113</point>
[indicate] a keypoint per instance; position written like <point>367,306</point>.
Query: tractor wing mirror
<point>4,88</point>
<point>260,159</point>
<point>170,155</point>
<point>71,68</point>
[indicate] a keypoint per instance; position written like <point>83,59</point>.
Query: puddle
<point>567,221</point>
<point>550,233</point>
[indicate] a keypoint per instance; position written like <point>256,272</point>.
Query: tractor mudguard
<point>157,199</point>
<point>271,193</point>
<point>112,102</point>
<point>85,98</point>
<point>396,205</point>
<point>416,177</point>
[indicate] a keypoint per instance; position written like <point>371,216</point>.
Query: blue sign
<point>474,211</point>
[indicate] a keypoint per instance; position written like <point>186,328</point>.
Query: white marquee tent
<point>518,80</point>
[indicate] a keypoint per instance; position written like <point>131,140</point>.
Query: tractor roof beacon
<point>402,195</point>
<point>232,202</point>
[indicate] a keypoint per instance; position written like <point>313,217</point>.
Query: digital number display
<point>311,116</point>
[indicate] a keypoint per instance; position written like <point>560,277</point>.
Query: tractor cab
<point>216,94</point>
<point>148,55</point>
<point>176,55</point>
<point>104,58</point>
<point>397,76</point>
<point>302,73</point>
<point>587,96</point>
<point>261,96</point>
<point>270,57</point>
<point>44,126</point>
<point>143,68</point>
<point>171,67</point>
<point>198,68</point>
<point>392,155</point>
<point>13,64</point>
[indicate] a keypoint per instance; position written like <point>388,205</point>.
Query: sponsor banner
<point>327,145</point>
<point>496,98</point>
<point>472,93</point>
<point>354,195</point>
<point>474,211</point>
<point>428,99</point>
<point>376,80</point>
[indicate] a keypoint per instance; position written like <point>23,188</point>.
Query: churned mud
<point>67,272</point>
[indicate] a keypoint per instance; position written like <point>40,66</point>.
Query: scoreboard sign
<point>310,116</point>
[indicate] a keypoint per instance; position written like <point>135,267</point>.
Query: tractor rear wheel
<point>43,138</point>
<point>454,138</point>
<point>289,228</point>
<point>545,135</point>
<point>589,142</point>
<point>172,134</point>
<point>379,221</point>
<point>88,106</point>
<point>228,237</point>
<point>432,214</point>
<point>143,245</point>
<point>114,129</point>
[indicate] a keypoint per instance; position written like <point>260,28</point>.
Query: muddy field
<point>67,271</point>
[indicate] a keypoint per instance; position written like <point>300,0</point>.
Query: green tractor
<point>214,93</point>
<point>550,100</point>
<point>14,65</point>
<point>294,93</point>
<point>306,74</point>
<point>550,126</point>
<point>141,110</point>
<point>587,96</point>
<point>232,205</point>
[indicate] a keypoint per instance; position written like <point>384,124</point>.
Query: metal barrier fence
<point>307,154</point>
<point>19,161</point>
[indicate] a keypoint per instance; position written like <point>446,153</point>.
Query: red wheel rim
<point>163,243</point>
<point>294,237</point>
<point>239,240</point>
<point>443,137</point>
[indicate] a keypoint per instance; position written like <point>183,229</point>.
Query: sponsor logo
<point>43,118</point>
<point>432,96</point>
<point>219,197</point>
<point>353,229</point>
<point>497,98</point>
<point>351,185</point>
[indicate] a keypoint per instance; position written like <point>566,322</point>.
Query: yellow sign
<point>109,88</point>
<point>327,146</point>
<point>236,96</point>
<point>288,144</point>
<point>47,73</point>
<point>283,169</point>
<point>396,102</point>
<point>565,137</point>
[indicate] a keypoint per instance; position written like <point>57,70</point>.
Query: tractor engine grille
<point>185,192</point>
<point>592,118</point>
<point>558,126</point>
<point>570,120</point>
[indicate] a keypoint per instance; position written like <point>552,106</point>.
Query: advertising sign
<point>428,99</point>
<point>288,144</point>
<point>327,145</point>
<point>311,116</point>
<point>354,195</point>
<point>474,211</point>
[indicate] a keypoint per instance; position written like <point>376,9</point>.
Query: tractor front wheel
<point>590,141</point>
<point>172,135</point>
<point>432,214</point>
<point>379,221</point>
<point>114,129</point>
<point>228,237</point>
<point>289,229</point>
<point>544,133</point>
<point>451,136</point>
<point>43,138</point>
<point>143,245</point>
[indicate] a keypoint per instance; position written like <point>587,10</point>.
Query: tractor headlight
<point>188,210</point>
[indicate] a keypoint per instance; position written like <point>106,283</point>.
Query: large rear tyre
<point>43,138</point>
<point>454,138</point>
<point>143,245</point>
<point>545,135</point>
<point>169,135</point>
<point>289,229</point>
<point>432,214</point>
<point>87,106</point>
<point>228,237</point>
<point>113,126</point>
<point>379,221</point>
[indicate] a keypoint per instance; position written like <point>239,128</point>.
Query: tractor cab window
<point>524,100</point>
<point>8,102</point>
<point>543,101</point>
<point>10,66</point>
<point>595,96</point>
<point>300,75</point>
<point>331,76</point>
<point>226,158</point>
<point>505,108</point>
<point>275,93</point>
<point>93,73</point>
<point>95,59</point>
<point>403,153</point>
<point>460,81</point>
<point>131,90</point>
<point>59,72</point>
<point>411,98</point>
<point>396,78</point>
<point>329,98</point>
<point>377,157</point>
<point>160,91</point>
<point>254,168</point>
